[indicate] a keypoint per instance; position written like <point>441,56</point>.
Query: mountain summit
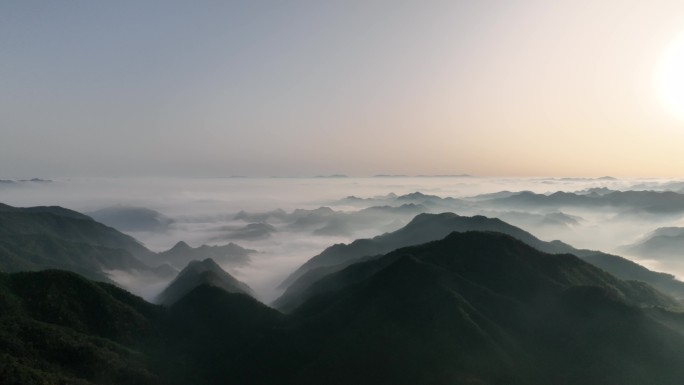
<point>197,273</point>
<point>484,308</point>
<point>430,227</point>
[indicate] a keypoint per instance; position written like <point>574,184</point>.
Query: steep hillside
<point>38,238</point>
<point>429,227</point>
<point>199,273</point>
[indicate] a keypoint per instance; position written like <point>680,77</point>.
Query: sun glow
<point>670,76</point>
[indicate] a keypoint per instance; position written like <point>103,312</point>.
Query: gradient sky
<point>219,88</point>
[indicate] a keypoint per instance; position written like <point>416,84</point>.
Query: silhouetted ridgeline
<point>38,238</point>
<point>199,273</point>
<point>474,307</point>
<point>430,227</point>
<point>665,243</point>
<point>181,254</point>
<point>632,202</point>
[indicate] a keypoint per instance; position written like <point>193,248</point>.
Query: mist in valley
<point>286,221</point>
<point>347,192</point>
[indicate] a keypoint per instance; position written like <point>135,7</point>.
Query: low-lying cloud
<point>282,218</point>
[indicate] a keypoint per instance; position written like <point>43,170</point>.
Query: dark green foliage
<point>66,299</point>
<point>57,327</point>
<point>216,335</point>
<point>484,308</point>
<point>605,341</point>
<point>473,308</point>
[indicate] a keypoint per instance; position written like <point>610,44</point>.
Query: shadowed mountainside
<point>199,273</point>
<point>429,227</point>
<point>58,327</point>
<point>472,308</point>
<point>39,238</point>
<point>484,308</point>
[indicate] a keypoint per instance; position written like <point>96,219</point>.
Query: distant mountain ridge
<point>132,218</point>
<point>651,202</point>
<point>392,199</point>
<point>39,238</point>
<point>251,231</point>
<point>665,243</point>
<point>181,254</point>
<point>324,220</point>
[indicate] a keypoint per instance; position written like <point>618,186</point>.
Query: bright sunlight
<point>670,76</point>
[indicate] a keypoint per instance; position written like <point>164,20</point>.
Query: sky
<point>299,88</point>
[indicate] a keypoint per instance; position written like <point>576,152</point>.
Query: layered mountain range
<point>447,299</point>
<point>429,227</point>
<point>39,238</point>
<point>474,307</point>
<point>665,243</point>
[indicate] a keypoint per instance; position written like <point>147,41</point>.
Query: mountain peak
<point>206,264</point>
<point>181,245</point>
<point>422,217</point>
<point>197,273</point>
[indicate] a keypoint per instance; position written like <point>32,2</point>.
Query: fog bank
<point>205,211</point>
